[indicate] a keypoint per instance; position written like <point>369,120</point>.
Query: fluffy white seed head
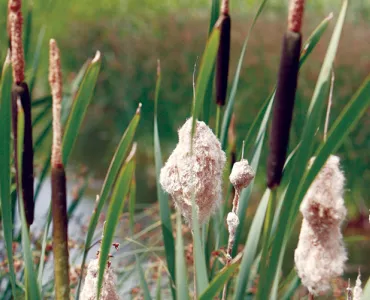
<point>357,291</point>
<point>320,255</point>
<point>241,174</point>
<point>108,291</point>
<point>232,221</point>
<point>198,173</point>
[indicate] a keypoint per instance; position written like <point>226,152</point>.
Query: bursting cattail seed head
<point>198,173</point>
<point>320,254</point>
<point>108,291</point>
<point>241,174</point>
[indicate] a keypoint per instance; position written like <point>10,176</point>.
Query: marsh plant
<point>208,181</point>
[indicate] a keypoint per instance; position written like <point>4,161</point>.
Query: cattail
<point>320,254</point>
<point>241,176</point>
<point>58,181</point>
<point>285,94</point>
<point>223,54</point>
<point>108,291</point>
<point>20,92</point>
<point>357,291</point>
<point>198,173</point>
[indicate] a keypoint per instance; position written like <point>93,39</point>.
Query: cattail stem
<point>223,54</point>
<point>311,296</point>
<point>285,94</point>
<point>283,107</point>
<point>327,117</point>
<point>20,92</point>
<point>58,182</point>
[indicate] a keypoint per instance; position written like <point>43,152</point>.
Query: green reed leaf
<point>164,207</point>
<point>79,106</point>
<point>5,162</point>
<point>114,168</point>
<point>181,273</point>
<point>218,282</point>
<point>119,194</point>
<point>143,282</point>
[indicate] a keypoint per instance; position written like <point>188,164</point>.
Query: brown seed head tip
<point>55,72</point>
<point>14,5</point>
<point>138,110</point>
<point>295,16</point>
<point>97,57</point>
<point>158,67</point>
<point>17,56</point>
<point>225,7</point>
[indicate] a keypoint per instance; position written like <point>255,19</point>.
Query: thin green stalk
<point>218,117</point>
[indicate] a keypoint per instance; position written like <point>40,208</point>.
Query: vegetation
<point>161,260</point>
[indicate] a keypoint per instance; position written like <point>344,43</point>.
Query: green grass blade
<point>131,204</point>
<point>32,287</point>
<point>346,121</point>
<point>42,101</point>
<point>44,171</point>
<point>159,282</point>
<point>245,195</point>
<point>201,275</point>
<point>230,105</point>
<point>28,32</point>
<point>114,168</point>
<point>43,135</point>
<point>314,38</point>
<point>36,58</point>
<point>79,106</point>
<point>120,192</point>
<point>143,283</point>
<point>40,271</point>
<point>366,291</point>
<point>41,114</point>
<point>218,282</point>
<point>205,71</point>
<point>250,248</point>
<point>181,274</point>
<point>215,11</point>
<point>5,161</point>
<point>268,271</point>
<point>164,207</point>
<point>291,284</point>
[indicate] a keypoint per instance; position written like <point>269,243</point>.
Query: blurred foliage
<point>133,34</point>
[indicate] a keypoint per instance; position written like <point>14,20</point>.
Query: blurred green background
<point>133,34</point>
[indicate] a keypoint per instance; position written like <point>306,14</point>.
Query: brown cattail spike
<point>20,92</point>
<point>15,34</point>
<point>223,57</point>
<point>295,16</point>
<point>283,107</point>
<point>55,80</point>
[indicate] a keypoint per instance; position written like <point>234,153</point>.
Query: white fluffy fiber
<point>108,291</point>
<point>320,255</point>
<point>201,172</point>
<point>241,174</point>
<point>357,291</point>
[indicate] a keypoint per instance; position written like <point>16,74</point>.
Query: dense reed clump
<point>285,94</point>
<point>196,171</point>
<point>320,254</point>
<point>21,94</point>
<point>58,181</point>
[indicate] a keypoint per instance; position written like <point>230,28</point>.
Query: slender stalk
<point>20,91</point>
<point>327,117</point>
<point>218,119</point>
<point>285,94</point>
<point>58,182</point>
